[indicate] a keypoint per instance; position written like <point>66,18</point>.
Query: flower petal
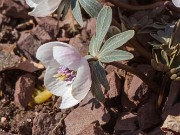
<point>31,3</point>
<point>67,56</point>
<point>45,7</point>
<point>45,54</point>
<point>56,87</point>
<point>176,3</point>
<point>68,100</point>
<point>82,82</point>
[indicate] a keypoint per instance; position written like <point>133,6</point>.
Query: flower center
<point>65,74</point>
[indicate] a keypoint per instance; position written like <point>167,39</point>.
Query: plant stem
<point>138,73</point>
<point>133,7</point>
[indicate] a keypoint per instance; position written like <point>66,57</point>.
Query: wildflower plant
<point>71,76</point>
<point>68,74</point>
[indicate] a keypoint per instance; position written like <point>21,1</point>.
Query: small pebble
<point>3,119</point>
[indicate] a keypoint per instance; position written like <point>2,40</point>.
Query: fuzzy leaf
<point>103,22</point>
<point>116,41</point>
<point>96,86</point>
<point>115,55</point>
<point>63,8</point>
<point>76,11</point>
<point>101,75</point>
<point>92,7</point>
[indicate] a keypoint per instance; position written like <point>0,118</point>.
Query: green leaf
<point>115,55</point>
<point>116,41</point>
<point>92,7</point>
<point>63,8</point>
<point>96,86</point>
<point>91,45</point>
<point>76,11</point>
<point>101,75</point>
<point>102,25</point>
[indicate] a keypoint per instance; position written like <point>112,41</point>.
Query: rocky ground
<point>130,108</point>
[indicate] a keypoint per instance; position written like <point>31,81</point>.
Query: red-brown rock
<point>134,87</point>
<point>23,90</point>
<point>89,111</point>
<point>126,122</point>
<point>115,85</point>
<point>92,130</point>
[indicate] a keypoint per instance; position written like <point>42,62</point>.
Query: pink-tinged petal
<point>176,3</point>
<point>45,54</point>
<point>68,100</point>
<point>67,56</point>
<point>32,3</point>
<point>82,82</point>
<point>45,7</point>
<point>56,87</point>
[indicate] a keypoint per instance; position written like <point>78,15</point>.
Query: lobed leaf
<point>63,8</point>
<point>96,86</point>
<point>115,55</point>
<point>102,25</point>
<point>92,7</point>
<point>101,75</point>
<point>116,41</point>
<point>76,11</point>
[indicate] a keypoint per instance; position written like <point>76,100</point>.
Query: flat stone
<point>115,85</point>
<point>148,116</point>
<point>174,110</point>
<point>89,111</point>
<point>134,87</point>
<point>92,129</point>
<point>43,124</point>
<point>126,122</point>
<point>28,44</point>
<point>23,90</point>
<point>14,9</point>
<point>173,96</point>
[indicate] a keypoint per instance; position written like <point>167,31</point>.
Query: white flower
<point>43,8</point>
<point>176,3</point>
<point>67,73</point>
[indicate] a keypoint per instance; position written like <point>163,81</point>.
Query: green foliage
<point>107,52</point>
<point>103,22</point>
<point>115,55</point>
<point>92,7</point>
<point>166,50</point>
<point>76,10</point>
<point>63,8</point>
<point>96,85</point>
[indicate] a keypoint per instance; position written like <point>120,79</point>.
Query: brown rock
<point>28,44</point>
<point>14,9</point>
<point>174,110</point>
<point>43,124</point>
<point>115,85</point>
<point>110,68</point>
<point>156,131</point>
<point>134,87</point>
<point>92,129</point>
<point>47,29</point>
<point>137,132</point>
<point>7,57</point>
<point>174,93</point>
<point>23,90</point>
<point>148,116</point>
<point>91,26</point>
<point>80,46</point>
<point>126,122</point>
<point>89,111</point>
